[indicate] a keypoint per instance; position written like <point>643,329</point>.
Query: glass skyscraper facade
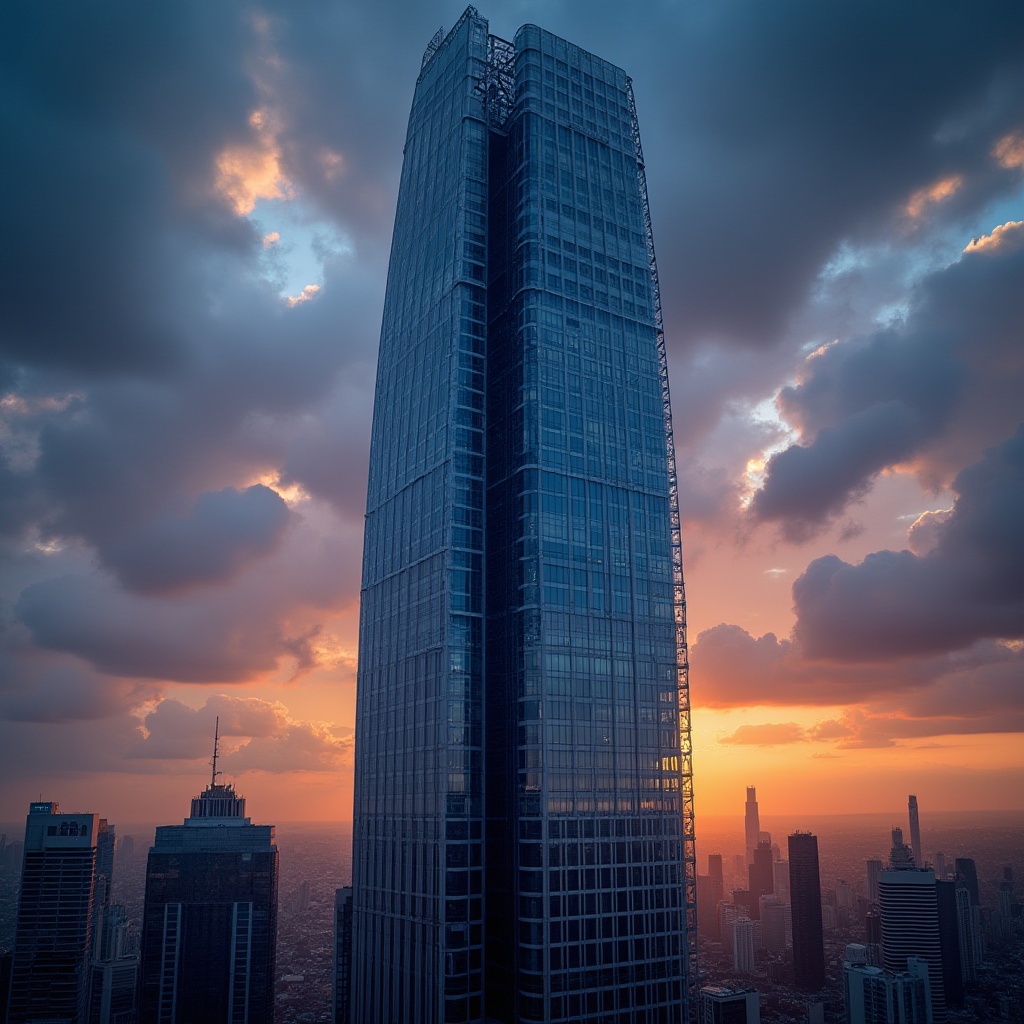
<point>523,842</point>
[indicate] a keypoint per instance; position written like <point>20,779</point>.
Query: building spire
<point>213,762</point>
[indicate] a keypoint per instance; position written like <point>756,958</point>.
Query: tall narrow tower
<point>49,974</point>
<point>805,898</point>
<point>751,823</point>
<point>209,930</point>
<point>523,837</point>
<point>915,831</point>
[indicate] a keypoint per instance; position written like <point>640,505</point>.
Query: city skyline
<point>187,357</point>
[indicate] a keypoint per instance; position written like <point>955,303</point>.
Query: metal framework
<point>499,81</point>
<point>679,592</point>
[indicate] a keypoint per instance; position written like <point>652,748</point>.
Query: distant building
<point>780,877</point>
<point>805,897</point>
<point>967,874</point>
<point>728,915</point>
<point>729,1006</point>
<point>53,937</point>
<point>910,928</point>
<point>761,873</point>
<point>49,978</point>
<point>743,946</point>
<point>875,996</point>
<point>342,988</point>
<point>968,933</point>
<point>773,923</point>
<point>112,991</point>
<point>874,870</point>
<point>949,943</point>
<point>209,929</point>
<point>901,857</point>
<point>915,831</point>
<point>751,823</point>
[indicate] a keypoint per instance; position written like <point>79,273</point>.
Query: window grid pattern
<point>518,533</point>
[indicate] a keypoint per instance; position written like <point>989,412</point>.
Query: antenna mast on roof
<point>216,741</point>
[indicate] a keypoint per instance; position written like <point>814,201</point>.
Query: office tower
<point>716,876</point>
<point>127,846</point>
<point>105,841</point>
<point>968,936</point>
<point>112,991</point>
<point>780,878</point>
<point>209,929</point>
<point>966,873</point>
<point>528,856</point>
<point>901,858</point>
<point>949,943</point>
<point>761,873</point>
<point>940,865</point>
<point>743,945</point>
<point>720,1005</point>
<point>728,915</point>
<point>342,988</point>
<point>910,928</point>
<point>874,870</point>
<point>875,996</point>
<point>915,831</point>
<point>751,823</point>
<point>805,898</point>
<point>49,974</point>
<point>773,923</point>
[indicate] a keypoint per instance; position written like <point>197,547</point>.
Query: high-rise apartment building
<point>720,1005</point>
<point>875,996</point>
<point>341,990</point>
<point>523,845</point>
<point>805,898</point>
<point>909,908</point>
<point>53,936</point>
<point>751,823</point>
<point>209,929</point>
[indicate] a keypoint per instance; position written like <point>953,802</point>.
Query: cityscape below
<point>746,956</point>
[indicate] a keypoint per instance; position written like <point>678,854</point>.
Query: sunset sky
<point>196,216</point>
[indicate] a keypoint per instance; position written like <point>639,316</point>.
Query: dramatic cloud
<point>196,220</point>
<point>273,741</point>
<point>219,535</point>
<point>934,390</point>
<point>968,587</point>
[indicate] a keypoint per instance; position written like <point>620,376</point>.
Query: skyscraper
<point>50,971</point>
<point>915,831</point>
<point>751,823</point>
<point>910,927</point>
<point>805,898</point>
<point>209,929</point>
<point>523,844</point>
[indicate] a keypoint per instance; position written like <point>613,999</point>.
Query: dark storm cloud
<point>63,691</point>
<point>110,115</point>
<point>117,633</point>
<point>219,535</point>
<point>946,383</point>
<point>779,130</point>
<point>968,587</point>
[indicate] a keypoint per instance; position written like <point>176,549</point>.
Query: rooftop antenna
<point>216,741</point>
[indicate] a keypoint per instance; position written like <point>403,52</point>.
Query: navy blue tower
<point>523,843</point>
